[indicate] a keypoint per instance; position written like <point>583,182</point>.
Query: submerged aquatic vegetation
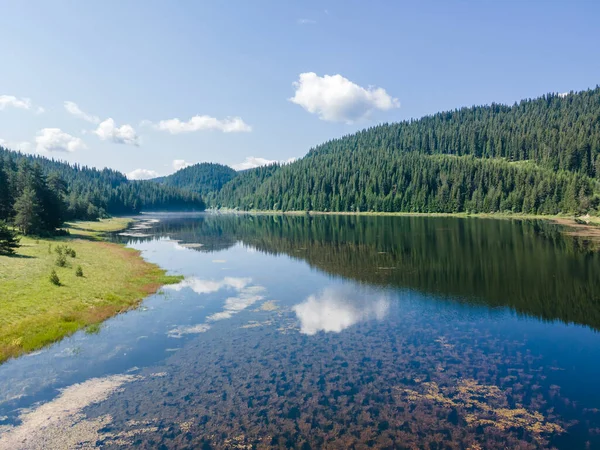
<point>483,406</point>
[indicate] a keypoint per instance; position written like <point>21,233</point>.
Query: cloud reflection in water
<point>247,295</point>
<point>337,308</point>
<point>208,286</point>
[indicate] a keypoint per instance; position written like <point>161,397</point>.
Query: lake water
<point>331,332</point>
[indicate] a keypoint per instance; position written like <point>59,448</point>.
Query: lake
<point>330,332</point>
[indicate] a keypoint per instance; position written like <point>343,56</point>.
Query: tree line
<point>202,178</point>
<point>539,156</point>
<point>376,180</point>
<point>37,195</point>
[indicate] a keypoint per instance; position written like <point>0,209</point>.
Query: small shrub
<point>61,260</point>
<point>54,278</point>
<point>72,253</point>
<point>49,249</point>
<point>93,328</point>
<point>79,271</point>
<point>58,249</point>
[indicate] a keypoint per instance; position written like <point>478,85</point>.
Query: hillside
<point>47,192</point>
<point>539,156</point>
<point>201,178</point>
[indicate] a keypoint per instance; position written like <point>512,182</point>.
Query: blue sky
<point>267,80</point>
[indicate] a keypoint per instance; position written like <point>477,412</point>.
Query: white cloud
<point>73,109</point>
<point>11,100</point>
<point>20,103</point>
<point>179,164</point>
<point>107,130</point>
<point>198,123</point>
<point>141,174</point>
<point>125,134</point>
<point>252,161</point>
<point>336,309</point>
<point>306,22</point>
<point>337,99</point>
<point>22,146</point>
<point>56,140</point>
<point>563,94</point>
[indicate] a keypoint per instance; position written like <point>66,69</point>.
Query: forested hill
<point>38,194</point>
<point>202,178</point>
<point>537,156</point>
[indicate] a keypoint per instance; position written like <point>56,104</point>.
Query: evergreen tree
<point>9,242</point>
<point>27,211</point>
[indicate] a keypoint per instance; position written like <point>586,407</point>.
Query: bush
<point>65,250</point>
<point>54,278</point>
<point>61,260</point>
<point>79,271</point>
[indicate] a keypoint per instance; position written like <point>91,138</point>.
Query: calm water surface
<point>331,332</point>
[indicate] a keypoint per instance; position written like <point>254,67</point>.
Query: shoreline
<point>588,227</point>
<point>37,314</point>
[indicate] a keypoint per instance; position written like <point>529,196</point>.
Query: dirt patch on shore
<point>579,228</point>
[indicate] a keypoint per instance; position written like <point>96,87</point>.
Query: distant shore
<point>585,226</point>
<point>35,313</point>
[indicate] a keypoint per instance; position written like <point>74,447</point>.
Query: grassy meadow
<point>34,312</point>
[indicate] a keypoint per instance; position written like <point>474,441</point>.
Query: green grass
<point>95,229</point>
<point>35,313</point>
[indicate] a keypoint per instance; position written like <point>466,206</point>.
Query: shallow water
<point>331,332</point>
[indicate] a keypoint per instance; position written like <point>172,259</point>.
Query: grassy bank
<point>35,313</point>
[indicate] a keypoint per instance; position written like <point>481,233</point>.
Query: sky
<point>148,87</point>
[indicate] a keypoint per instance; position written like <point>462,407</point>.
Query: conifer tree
<point>9,242</point>
<point>27,211</point>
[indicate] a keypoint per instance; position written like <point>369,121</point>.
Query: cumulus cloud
<point>199,123</point>
<point>563,94</point>
<point>141,174</point>
<point>252,161</point>
<point>336,99</point>
<point>11,100</point>
<point>20,103</point>
<point>109,131</point>
<point>336,309</point>
<point>73,108</point>
<point>56,140</point>
<point>22,146</point>
<point>179,164</point>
